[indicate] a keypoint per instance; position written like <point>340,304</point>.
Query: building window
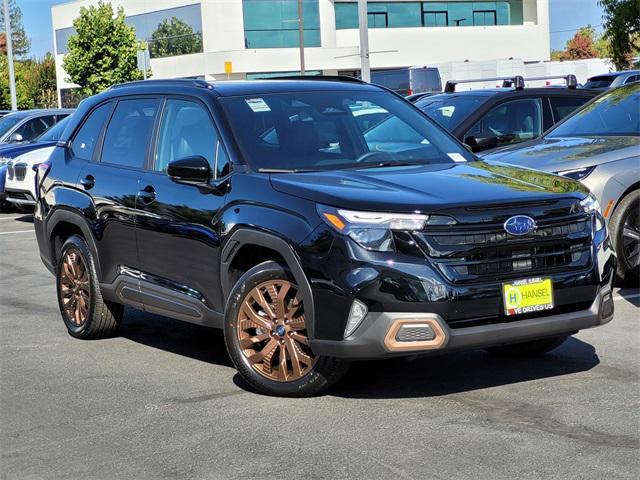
<point>435,19</point>
<point>170,32</point>
<point>430,14</point>
<point>274,23</point>
<point>484,17</point>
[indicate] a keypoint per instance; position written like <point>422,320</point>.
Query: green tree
<point>22,94</point>
<point>19,40</point>
<point>174,37</point>
<point>102,52</point>
<point>40,82</point>
<point>621,20</point>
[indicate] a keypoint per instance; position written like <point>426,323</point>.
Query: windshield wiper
<point>285,170</point>
<point>383,164</point>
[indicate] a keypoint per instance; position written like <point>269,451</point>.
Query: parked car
<point>20,183</point>
<point>600,146</point>
<point>10,151</point>
<point>491,118</point>
<point>27,125</point>
<point>410,80</point>
<point>612,80</point>
<point>309,249</point>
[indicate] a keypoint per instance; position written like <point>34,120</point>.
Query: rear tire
<point>528,349</point>
<point>624,228</point>
<point>85,313</point>
<point>266,337</point>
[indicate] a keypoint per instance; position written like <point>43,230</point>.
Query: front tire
<point>85,313</point>
<point>266,336</point>
<point>533,348</point>
<point>625,233</point>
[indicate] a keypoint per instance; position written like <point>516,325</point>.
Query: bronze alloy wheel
<point>74,283</point>
<point>272,332</point>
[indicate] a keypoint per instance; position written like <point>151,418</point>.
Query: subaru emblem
<point>520,225</point>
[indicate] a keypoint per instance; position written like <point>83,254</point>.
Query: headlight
<point>590,204</point>
<point>577,173</point>
<point>372,230</point>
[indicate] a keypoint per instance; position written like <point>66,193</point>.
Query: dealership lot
<point>163,401</point>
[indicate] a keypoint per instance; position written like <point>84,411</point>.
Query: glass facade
<point>430,14</point>
<point>274,23</point>
<point>170,32</point>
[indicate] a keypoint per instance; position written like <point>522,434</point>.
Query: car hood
<point>426,188</point>
<point>35,156</point>
<point>566,153</point>
<point>12,150</point>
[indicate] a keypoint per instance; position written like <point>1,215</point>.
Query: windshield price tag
<point>456,157</point>
<point>257,105</point>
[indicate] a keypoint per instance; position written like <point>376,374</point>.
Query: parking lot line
<point>16,231</point>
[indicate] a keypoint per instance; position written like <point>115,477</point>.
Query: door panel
<point>177,230</point>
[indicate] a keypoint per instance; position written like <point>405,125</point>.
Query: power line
<point>576,29</point>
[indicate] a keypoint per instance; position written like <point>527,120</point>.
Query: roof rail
<point>517,82</point>
<point>571,80</point>
<point>177,82</point>
<point>328,78</point>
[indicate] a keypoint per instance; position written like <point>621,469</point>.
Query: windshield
<point>6,123</point>
<point>450,110</point>
<point>54,133</point>
<point>599,82</point>
<point>616,113</point>
<point>327,130</point>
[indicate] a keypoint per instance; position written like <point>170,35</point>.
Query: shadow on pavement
<point>398,378</point>
<point>175,336</point>
<point>631,295</point>
<point>25,218</point>
<point>460,372</point>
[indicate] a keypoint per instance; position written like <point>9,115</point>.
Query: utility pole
<point>365,70</point>
<point>300,36</point>
<point>12,76</point>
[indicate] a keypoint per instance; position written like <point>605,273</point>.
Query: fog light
<point>356,315</point>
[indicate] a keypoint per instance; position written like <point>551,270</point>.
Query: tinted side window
<point>631,79</point>
<point>510,122</point>
<point>84,143</point>
<point>223,165</point>
<point>563,106</point>
<point>35,127</point>
<point>129,132</point>
<point>186,130</point>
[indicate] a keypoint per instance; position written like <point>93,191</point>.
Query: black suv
<point>495,117</point>
<point>267,209</point>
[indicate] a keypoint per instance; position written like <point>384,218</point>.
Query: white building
<point>260,37</point>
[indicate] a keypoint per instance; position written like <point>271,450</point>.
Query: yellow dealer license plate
<point>526,296</point>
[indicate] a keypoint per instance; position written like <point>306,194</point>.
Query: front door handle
<point>147,195</point>
<point>88,182</point>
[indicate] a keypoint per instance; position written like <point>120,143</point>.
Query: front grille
<point>19,195</point>
<point>19,171</point>
<point>485,252</point>
<point>10,171</point>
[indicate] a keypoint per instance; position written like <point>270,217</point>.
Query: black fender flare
<point>76,219</point>
<point>247,236</point>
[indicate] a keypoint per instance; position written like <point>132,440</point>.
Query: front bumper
<point>371,339</point>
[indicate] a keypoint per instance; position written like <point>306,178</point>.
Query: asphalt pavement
<point>162,400</point>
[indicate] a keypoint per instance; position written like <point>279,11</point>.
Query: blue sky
<point>566,16</point>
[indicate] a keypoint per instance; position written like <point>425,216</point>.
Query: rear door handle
<point>88,182</point>
<point>147,195</point>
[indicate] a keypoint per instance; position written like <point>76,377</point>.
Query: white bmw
<point>20,185</point>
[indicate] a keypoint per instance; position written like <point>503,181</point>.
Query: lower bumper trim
<point>369,340</point>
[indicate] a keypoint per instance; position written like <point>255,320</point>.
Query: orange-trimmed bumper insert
<point>438,341</point>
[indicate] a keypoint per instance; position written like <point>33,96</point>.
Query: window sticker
<point>456,157</point>
<point>257,105</point>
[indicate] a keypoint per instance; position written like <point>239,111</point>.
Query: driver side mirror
<point>15,138</point>
<point>193,170</point>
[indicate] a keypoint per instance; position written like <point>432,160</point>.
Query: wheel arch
<point>265,242</point>
<point>61,225</point>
